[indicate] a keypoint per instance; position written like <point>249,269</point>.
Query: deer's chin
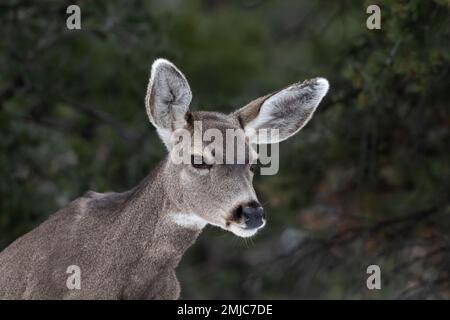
<point>241,232</point>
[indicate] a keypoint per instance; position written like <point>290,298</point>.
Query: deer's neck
<point>151,235</point>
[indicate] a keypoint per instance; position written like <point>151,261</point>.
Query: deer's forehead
<point>232,134</point>
<point>213,124</point>
<point>214,120</point>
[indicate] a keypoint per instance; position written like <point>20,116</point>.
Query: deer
<point>128,245</point>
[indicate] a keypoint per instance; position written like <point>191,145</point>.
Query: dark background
<point>366,182</point>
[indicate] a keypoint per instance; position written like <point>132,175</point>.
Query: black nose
<point>253,215</point>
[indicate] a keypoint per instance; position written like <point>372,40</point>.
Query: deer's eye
<point>199,163</point>
<point>253,167</point>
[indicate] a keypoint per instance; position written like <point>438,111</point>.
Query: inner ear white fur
<point>168,98</point>
<point>287,111</point>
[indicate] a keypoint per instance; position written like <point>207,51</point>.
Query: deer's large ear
<point>168,99</point>
<point>287,110</point>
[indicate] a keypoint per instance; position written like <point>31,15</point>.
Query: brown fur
<point>129,244</point>
<point>125,245</point>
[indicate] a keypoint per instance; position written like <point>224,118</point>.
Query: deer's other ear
<point>168,99</point>
<point>287,110</point>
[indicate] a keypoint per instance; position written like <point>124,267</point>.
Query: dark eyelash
<point>202,165</point>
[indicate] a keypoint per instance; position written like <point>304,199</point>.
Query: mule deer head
<point>128,244</point>
<point>208,191</point>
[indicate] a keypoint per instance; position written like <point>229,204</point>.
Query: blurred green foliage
<point>366,182</point>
